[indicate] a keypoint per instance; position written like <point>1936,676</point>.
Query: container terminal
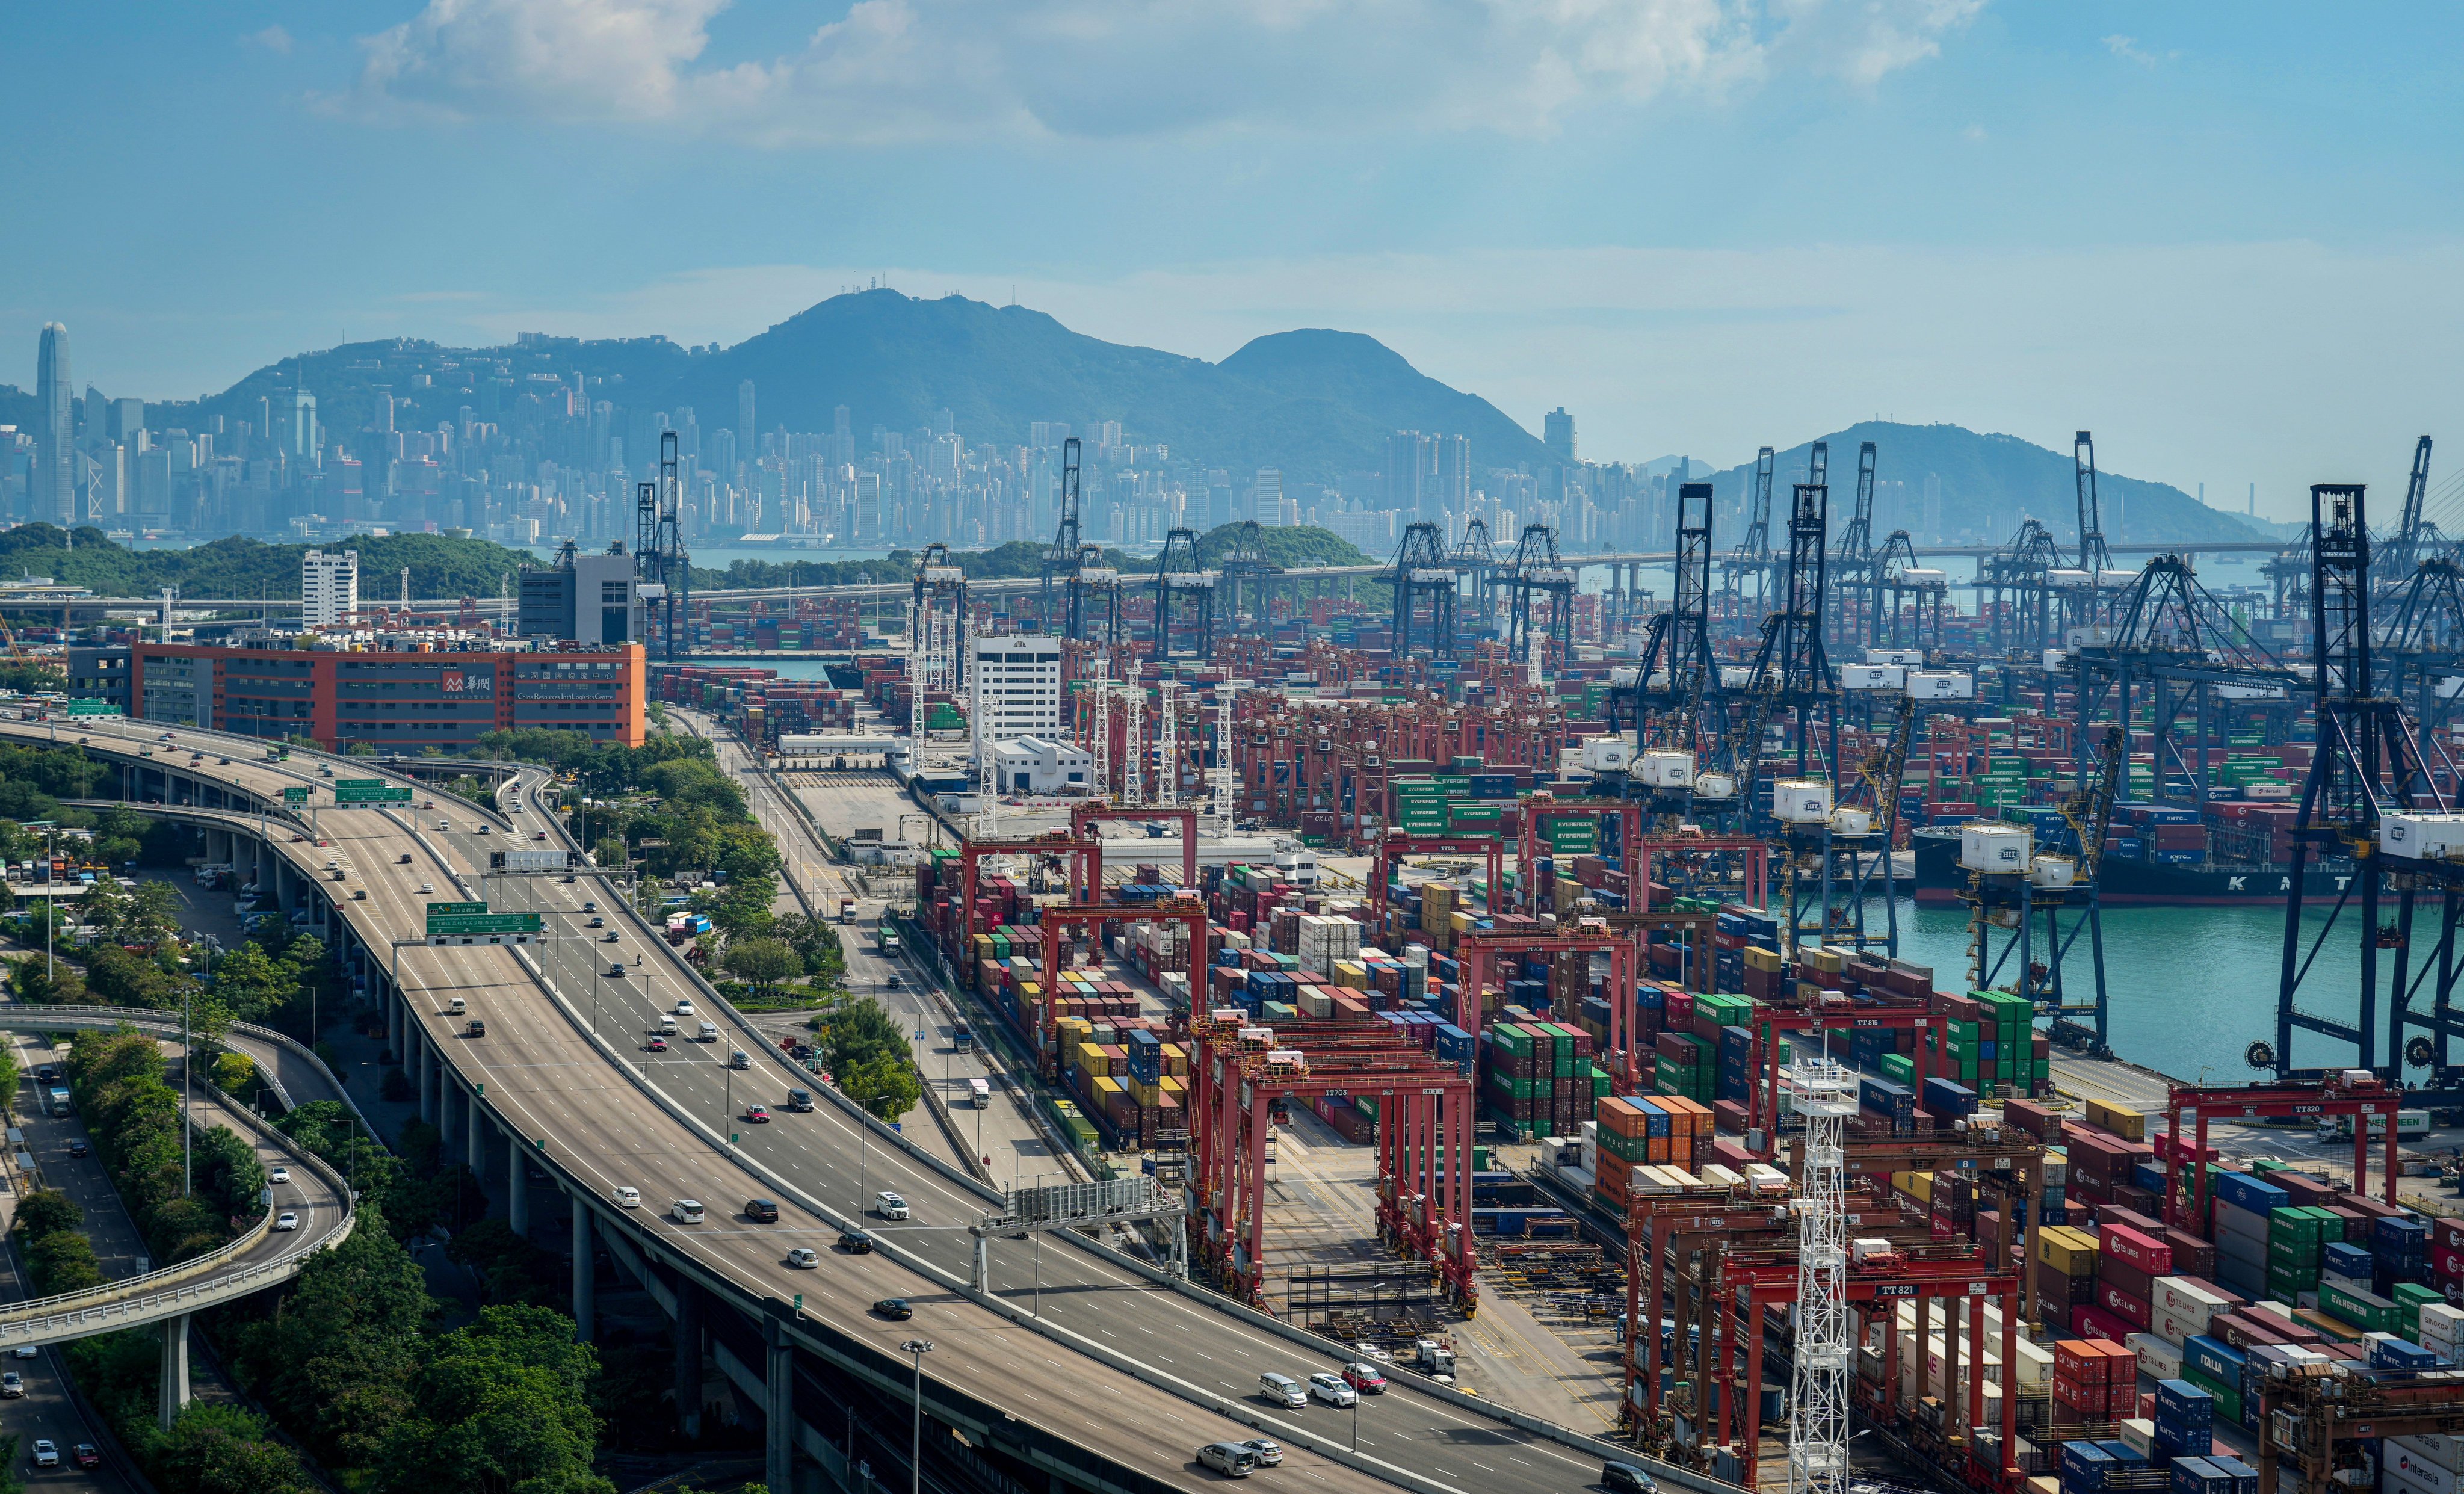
<point>1509,975</point>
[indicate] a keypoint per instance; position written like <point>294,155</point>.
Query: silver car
<point>1329,1387</point>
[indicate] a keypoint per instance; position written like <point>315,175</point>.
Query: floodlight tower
<point>1817,1452</point>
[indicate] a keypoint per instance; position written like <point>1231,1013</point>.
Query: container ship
<point>2134,880</point>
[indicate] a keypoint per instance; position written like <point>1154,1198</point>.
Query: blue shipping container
<point>2185,1403</point>
<point>2244,1192</point>
<point>2198,1476</point>
<point>2245,1477</point>
<point>2213,1356</point>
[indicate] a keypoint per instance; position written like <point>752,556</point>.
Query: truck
<point>846,910</point>
<point>55,1102</point>
<point>887,942</point>
<point>1434,1359</point>
<point>961,1039</point>
<point>979,1094</point>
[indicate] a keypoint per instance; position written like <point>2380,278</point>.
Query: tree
<point>863,1030</point>
<point>59,986</point>
<point>500,1405</point>
<point>10,1074</point>
<point>888,1087</point>
<point>764,962</point>
<point>336,1358</point>
<point>219,1449</point>
<point>62,1261</point>
<point>45,1211</point>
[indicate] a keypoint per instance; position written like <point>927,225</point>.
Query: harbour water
<point>2190,987</point>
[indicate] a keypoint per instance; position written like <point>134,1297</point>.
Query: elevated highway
<point>1075,1364</point>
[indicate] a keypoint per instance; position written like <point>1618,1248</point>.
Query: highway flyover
<point>316,1198</point>
<point>1078,1365</point>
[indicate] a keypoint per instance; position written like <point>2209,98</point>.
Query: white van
<point>686,1211</point>
<point>708,1032</point>
<point>1228,1459</point>
<point>456,1007</point>
<point>628,1197</point>
<point>1282,1390</point>
<point>667,1026</point>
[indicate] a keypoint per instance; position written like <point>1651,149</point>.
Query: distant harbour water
<point>2191,987</point>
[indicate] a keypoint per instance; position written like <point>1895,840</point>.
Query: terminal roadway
<point>1073,1341</point>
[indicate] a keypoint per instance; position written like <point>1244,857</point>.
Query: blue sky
<point>2223,235</point>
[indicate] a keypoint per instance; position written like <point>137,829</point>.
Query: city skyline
<point>1710,229</point>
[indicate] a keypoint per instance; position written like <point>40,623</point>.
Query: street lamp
<point>919,1348</point>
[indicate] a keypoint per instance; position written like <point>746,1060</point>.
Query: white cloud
<point>2218,362</point>
<point>2128,50</point>
<point>905,70</point>
<point>274,39</point>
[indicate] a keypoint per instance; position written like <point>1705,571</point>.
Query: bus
<point>979,1094</point>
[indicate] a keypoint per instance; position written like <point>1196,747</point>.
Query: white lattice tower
<point>1099,745</point>
<point>987,773</point>
<point>1168,747</point>
<point>1226,779</point>
<point>1532,660</point>
<point>1133,731</point>
<point>1817,1451</point>
<point>915,675</point>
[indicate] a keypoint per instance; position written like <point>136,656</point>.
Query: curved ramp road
<point>1074,1351</point>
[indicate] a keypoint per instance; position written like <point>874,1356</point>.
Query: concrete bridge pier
<point>778,1404</point>
<point>689,1355</point>
<point>175,1371</point>
<point>448,1116</point>
<point>424,1079</point>
<point>475,1148</point>
<point>393,1026</point>
<point>517,1178</point>
<point>585,1274</point>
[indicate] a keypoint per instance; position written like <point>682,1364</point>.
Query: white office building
<point>1015,680</point>
<point>329,587</point>
<point>1041,765</point>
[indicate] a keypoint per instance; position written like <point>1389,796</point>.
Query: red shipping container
<point>2447,1262</point>
<point>2152,1258</point>
<point>2077,1360</point>
<point>2448,1233</point>
<point>2129,1280</point>
<point>2131,1309</point>
<point>2093,1322</point>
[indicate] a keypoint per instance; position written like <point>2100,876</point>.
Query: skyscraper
<point>1411,465</point>
<point>1450,495</point>
<point>746,443</point>
<point>56,437</point>
<point>1557,434</point>
<point>329,586</point>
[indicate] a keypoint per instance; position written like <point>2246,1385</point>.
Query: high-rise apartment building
<point>56,436</point>
<point>1557,434</point>
<point>304,437</point>
<point>1266,497</point>
<point>1449,495</point>
<point>748,443</point>
<point>329,586</point>
<point>1411,466</point>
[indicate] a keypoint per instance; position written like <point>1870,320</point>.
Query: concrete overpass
<point>1080,1366</point>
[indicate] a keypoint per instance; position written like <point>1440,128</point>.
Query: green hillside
<point>440,567</point>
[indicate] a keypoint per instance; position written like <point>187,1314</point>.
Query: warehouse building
<point>394,691</point>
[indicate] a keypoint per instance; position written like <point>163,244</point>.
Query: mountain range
<point>1315,404</point>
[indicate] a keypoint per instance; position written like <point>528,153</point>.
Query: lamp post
<point>919,1348</point>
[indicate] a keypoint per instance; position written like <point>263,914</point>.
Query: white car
<point>628,1197</point>
<point>427,887</point>
<point>286,1220</point>
<point>1329,1387</point>
<point>890,1206</point>
<point>278,1175</point>
<point>46,1453</point>
<point>686,1211</point>
<point>684,1008</point>
<point>803,1257</point>
<point>28,1351</point>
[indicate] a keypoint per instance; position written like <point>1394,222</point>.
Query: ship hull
<point>1939,880</point>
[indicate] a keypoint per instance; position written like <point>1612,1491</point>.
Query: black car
<point>77,1148</point>
<point>1624,1477</point>
<point>761,1211</point>
<point>800,1099</point>
<point>48,1074</point>
<point>855,1241</point>
<point>894,1308</point>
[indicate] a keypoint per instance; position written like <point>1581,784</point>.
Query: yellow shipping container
<point>1145,1094</point>
<point>1759,958</point>
<point>1830,961</point>
<point>2070,1251</point>
<point>2128,1125</point>
<point>1916,1185</point>
<point>1352,974</point>
<point>1175,1087</point>
<point>1437,898</point>
<point>1093,1058</point>
<point>1176,1060</point>
<point>1105,1090</point>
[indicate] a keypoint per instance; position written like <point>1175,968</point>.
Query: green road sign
<point>87,708</point>
<point>450,909</point>
<point>378,794</point>
<point>342,783</point>
<point>482,923</point>
<point>295,795</point>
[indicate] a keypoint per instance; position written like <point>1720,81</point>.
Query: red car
<point>1364,1378</point>
<point>87,1456</point>
<point>658,1044</point>
<point>758,1114</point>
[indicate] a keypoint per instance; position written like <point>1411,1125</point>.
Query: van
<point>708,1032</point>
<point>667,1026</point>
<point>800,1099</point>
<point>1228,1459</point>
<point>686,1211</point>
<point>1282,1390</point>
<point>456,1007</point>
<point>628,1197</point>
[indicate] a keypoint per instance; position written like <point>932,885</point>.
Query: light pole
<point>919,1348</point>
<point>187,1088</point>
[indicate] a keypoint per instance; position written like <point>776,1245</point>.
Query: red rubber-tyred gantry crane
<point>2186,1198</point>
<point>1392,849</point>
<point>1424,1137</point>
<point>1187,912</point>
<point>1702,854</point>
<point>1542,807</point>
<point>1081,824</point>
<point>1477,952</point>
<point>1086,855</point>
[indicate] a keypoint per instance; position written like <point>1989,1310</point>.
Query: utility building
<point>1015,680</point>
<point>593,600</point>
